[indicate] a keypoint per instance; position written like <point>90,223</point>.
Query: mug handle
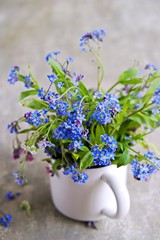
<point>121,195</point>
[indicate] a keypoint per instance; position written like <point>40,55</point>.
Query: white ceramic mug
<point>103,194</point>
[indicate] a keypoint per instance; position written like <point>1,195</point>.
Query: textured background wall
<point>28,31</point>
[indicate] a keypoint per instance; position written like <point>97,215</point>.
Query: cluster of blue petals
<point>156,99</point>
<point>142,171</point>
<point>54,103</point>
<point>19,179</point>
<point>77,78</point>
<point>72,129</point>
<point>52,78</point>
<point>77,177</point>
<point>5,220</point>
<point>103,156</point>
<point>96,35</point>
<point>13,127</point>
<point>52,55</point>
<point>45,143</point>
<point>27,81</point>
<point>11,196</point>
<point>106,110</point>
<point>151,67</point>
<point>13,75</point>
<point>36,117</point>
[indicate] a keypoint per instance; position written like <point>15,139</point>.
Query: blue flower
<point>151,66</point>
<point>142,171</point>
<point>106,110</point>
<point>50,97</point>
<point>13,75</point>
<point>97,95</point>
<point>69,59</point>
<point>5,220</point>
<point>103,156</point>
<point>61,108</point>
<point>96,35</point>
<point>34,118</point>
<point>109,141</point>
<point>72,128</point>
<point>8,217</point>
<point>80,178</point>
<point>156,99</point>
<point>41,93</point>
<point>77,177</point>
<point>149,155</point>
<point>52,78</point>
<point>44,143</point>
<point>68,170</point>
<point>13,127</point>
<point>100,156</point>
<point>75,145</point>
<point>19,179</point>
<point>51,55</point>
<point>60,85</point>
<point>77,78</point>
<point>27,81</point>
<point>10,195</point>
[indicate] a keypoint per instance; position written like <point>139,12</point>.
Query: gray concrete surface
<point>29,30</point>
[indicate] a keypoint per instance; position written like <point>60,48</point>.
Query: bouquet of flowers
<point>81,128</point>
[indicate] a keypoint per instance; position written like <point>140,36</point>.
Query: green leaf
<point>75,156</point>
<point>132,81</point>
<point>56,69</point>
<point>84,149</point>
<point>92,134</point>
<point>124,158</point>
<point>152,78</point>
<point>121,146</point>
<point>66,84</point>
<point>35,104</point>
<point>99,131</point>
<point>154,86</point>
<point>137,118</point>
<point>86,161</point>
<point>55,165</point>
<point>121,115</point>
<point>20,78</point>
<point>26,130</point>
<point>148,120</point>
<point>128,75</point>
<point>90,113</point>
<point>84,89</point>
<point>25,94</point>
<point>35,85</point>
<point>143,119</point>
<point>137,137</point>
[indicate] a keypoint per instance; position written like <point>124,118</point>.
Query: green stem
<point>51,126</point>
<point>139,110</point>
<point>82,101</point>
<point>112,87</point>
<point>23,164</point>
<point>68,91</point>
<point>63,154</point>
<point>100,65</point>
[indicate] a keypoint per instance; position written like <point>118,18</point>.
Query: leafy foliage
<point>81,128</point>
